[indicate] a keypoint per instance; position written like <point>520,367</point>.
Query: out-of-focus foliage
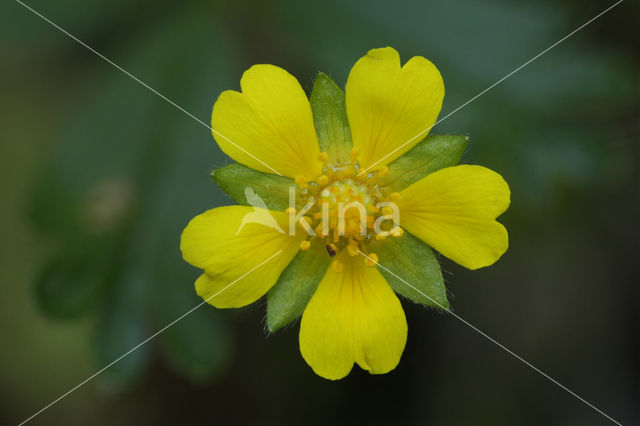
<point>120,172</point>
<point>123,179</point>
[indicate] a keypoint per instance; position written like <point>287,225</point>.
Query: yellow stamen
<point>371,260</point>
<point>354,153</point>
<point>302,181</point>
<point>336,266</point>
<point>323,180</point>
<point>397,231</point>
<point>386,210</point>
<point>336,235</point>
<point>324,157</point>
<point>305,245</point>
<point>352,250</point>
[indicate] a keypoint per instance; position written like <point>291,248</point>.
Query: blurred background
<point>98,177</point>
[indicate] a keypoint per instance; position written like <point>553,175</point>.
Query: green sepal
<point>297,283</point>
<point>413,261</point>
<point>235,178</point>
<point>435,152</point>
<point>330,119</point>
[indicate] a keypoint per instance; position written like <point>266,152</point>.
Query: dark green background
<point>98,176</point>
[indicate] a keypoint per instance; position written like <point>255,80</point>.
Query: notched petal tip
<point>454,210</point>
<point>268,126</point>
<point>391,107</point>
<point>353,317</point>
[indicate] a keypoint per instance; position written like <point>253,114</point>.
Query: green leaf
<point>68,286</point>
<point>433,153</point>
<point>198,346</point>
<point>412,261</point>
<point>330,119</point>
<point>273,189</point>
<point>288,298</point>
<point>121,328</point>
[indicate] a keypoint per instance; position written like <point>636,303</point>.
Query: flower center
<point>346,210</point>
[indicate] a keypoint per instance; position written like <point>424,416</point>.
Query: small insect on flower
<point>364,193</point>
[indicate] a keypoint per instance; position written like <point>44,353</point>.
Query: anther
<point>322,180</point>
<point>302,181</point>
<point>395,196</point>
<point>305,245</point>
<point>290,211</point>
<point>371,259</point>
<point>386,210</point>
<point>397,231</point>
<point>383,171</point>
<point>324,157</point>
<point>354,153</point>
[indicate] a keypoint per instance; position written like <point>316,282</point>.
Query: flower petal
<point>454,209</point>
<point>228,243</point>
<point>391,108</point>
<point>269,126</point>
<point>354,316</point>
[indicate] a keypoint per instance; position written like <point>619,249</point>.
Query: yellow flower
<point>351,313</point>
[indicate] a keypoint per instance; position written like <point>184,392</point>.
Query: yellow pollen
<point>324,157</point>
<point>371,260</point>
<point>386,210</point>
<point>397,231</point>
<point>344,211</point>
<point>396,196</point>
<point>380,237</point>
<point>383,171</point>
<point>336,266</point>
<point>354,153</point>
<point>302,181</point>
<point>290,211</point>
<point>323,180</point>
<point>305,245</point>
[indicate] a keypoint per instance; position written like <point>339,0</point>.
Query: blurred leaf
<point>69,286</point>
<point>288,298</point>
<point>198,346</point>
<point>433,153</point>
<point>576,81</point>
<point>120,330</point>
<point>129,155</point>
<point>273,189</point>
<point>414,262</point>
<point>27,28</point>
<point>330,119</point>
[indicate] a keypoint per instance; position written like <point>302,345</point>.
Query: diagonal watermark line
<point>422,133</point>
<point>146,340</point>
<point>476,329</point>
<point>151,89</point>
